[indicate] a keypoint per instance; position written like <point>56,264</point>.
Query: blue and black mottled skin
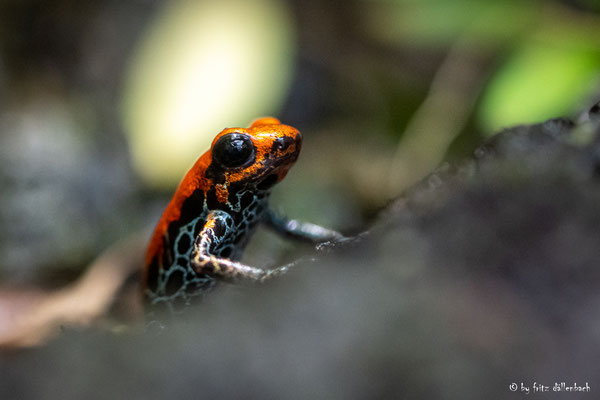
<point>204,229</point>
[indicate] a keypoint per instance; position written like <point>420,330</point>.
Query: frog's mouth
<point>268,182</point>
<point>275,173</point>
<point>281,166</point>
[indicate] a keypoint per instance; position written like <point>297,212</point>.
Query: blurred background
<point>104,105</point>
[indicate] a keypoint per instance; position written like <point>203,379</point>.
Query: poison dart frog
<point>201,235</point>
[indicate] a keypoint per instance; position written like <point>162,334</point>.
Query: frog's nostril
<point>282,143</point>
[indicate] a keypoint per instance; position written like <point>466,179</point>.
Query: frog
<point>200,237</point>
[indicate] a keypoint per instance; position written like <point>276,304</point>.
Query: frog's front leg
<point>304,231</point>
<point>210,241</point>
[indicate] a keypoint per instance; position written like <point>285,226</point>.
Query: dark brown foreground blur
<point>482,276</point>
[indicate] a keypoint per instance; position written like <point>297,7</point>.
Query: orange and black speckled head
<point>257,157</point>
<point>240,159</point>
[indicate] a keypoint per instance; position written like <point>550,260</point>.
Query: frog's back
<point>167,257</point>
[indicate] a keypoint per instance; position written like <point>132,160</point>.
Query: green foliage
<point>539,80</point>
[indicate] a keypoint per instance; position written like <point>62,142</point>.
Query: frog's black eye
<point>233,150</point>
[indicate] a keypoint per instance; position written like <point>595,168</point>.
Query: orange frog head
<point>256,157</point>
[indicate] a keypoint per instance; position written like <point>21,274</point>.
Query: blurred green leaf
<point>541,80</point>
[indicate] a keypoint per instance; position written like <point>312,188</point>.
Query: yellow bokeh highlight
<point>203,66</point>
